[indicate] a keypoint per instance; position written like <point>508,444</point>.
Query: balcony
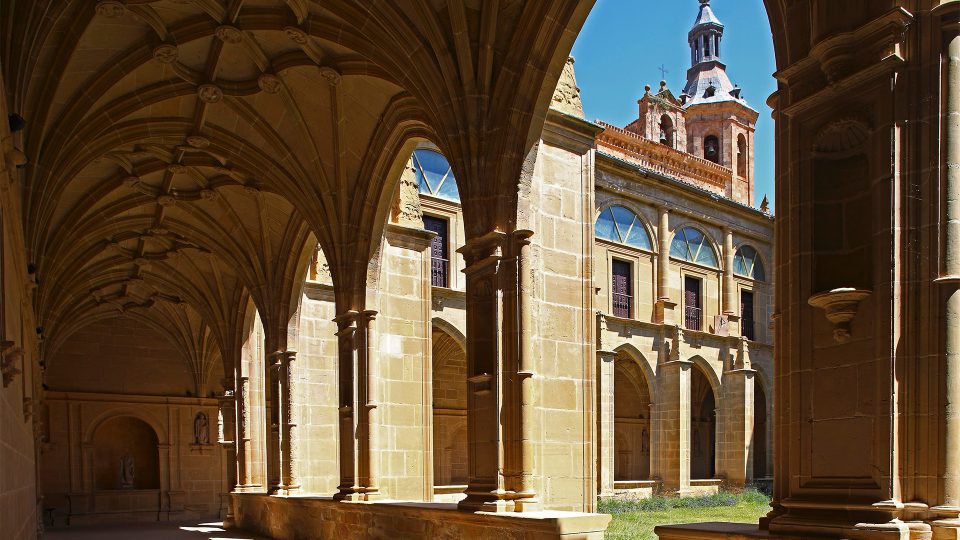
<point>439,272</point>
<point>622,305</point>
<point>692,318</point>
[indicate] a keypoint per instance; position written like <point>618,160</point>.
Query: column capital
<point>346,322</point>
<point>488,246</point>
<point>605,355</point>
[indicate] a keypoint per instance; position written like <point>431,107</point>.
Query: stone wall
<point>121,356</point>
<point>311,518</point>
<point>191,475</point>
<point>317,357</point>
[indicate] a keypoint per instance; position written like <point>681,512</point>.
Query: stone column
<point>348,490</point>
<point>606,457</point>
<point>664,310</point>
<point>369,399</point>
<point>526,371</point>
<point>673,421</point>
<point>501,421</point>
<point>244,452</point>
<point>729,285</point>
<point>227,441</point>
<point>735,418</point>
<point>290,440</point>
<point>359,467</point>
<point>949,503</point>
<point>273,368</point>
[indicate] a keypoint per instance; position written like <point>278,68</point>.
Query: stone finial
<point>765,205</point>
<point>566,98</point>
<point>406,207</point>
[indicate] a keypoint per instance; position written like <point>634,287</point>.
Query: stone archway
<point>449,406</point>
<point>703,426</point>
<point>632,423</point>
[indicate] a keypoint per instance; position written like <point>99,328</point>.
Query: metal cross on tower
<point>663,71</point>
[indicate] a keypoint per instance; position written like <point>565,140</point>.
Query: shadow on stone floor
<point>151,531</point>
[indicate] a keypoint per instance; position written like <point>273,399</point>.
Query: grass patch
<point>635,519</point>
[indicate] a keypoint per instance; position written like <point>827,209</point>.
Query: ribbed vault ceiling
<point>186,155</point>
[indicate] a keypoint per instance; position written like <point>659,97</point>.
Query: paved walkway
<point>150,531</point>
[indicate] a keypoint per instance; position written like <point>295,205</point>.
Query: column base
<point>358,494</point>
<point>896,529</point>
<point>945,529</point>
<point>287,491</point>
<point>498,502</point>
<point>663,312</point>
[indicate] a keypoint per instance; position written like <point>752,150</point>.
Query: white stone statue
<point>127,471</point>
<point>201,429</point>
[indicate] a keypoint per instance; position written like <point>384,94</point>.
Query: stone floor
<point>151,531</point>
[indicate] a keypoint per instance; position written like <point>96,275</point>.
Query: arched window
<point>692,245</point>
<point>434,175</point>
<point>617,224</point>
<point>711,148</point>
<point>741,156</point>
<point>666,130</point>
<point>747,263</point>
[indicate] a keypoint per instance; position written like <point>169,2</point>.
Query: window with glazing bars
<point>746,314</point>
<point>622,289</point>
<point>439,259</point>
<point>692,313</point>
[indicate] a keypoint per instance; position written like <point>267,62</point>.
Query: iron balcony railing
<point>692,319</point>
<point>439,272</point>
<point>622,305</point>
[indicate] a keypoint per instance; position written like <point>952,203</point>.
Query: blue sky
<point>624,43</point>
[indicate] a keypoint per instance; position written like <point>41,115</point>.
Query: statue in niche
<point>201,429</point>
<point>127,470</point>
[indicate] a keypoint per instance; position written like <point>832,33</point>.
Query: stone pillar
<point>290,409</point>
<point>227,441</point>
<point>606,457</point>
<point>369,399</point>
<point>347,353</point>
<point>949,504</point>
<point>243,445</point>
<point>735,418</point>
<point>729,285</point>
<point>664,309</point>
<point>500,375</point>
<point>673,421</point>
<point>359,470</point>
<point>273,367</point>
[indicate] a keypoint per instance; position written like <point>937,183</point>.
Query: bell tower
<point>719,122</point>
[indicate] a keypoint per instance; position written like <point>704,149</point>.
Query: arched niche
<point>125,455</point>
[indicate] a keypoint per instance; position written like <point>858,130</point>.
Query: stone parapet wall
<point>321,518</point>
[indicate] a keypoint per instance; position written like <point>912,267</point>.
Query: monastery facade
<point>516,309</point>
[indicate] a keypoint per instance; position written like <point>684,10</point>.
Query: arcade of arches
<point>169,168</point>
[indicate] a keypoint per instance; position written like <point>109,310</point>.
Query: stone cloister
<point>169,167</point>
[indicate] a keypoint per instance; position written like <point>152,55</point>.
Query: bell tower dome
<point>719,122</point>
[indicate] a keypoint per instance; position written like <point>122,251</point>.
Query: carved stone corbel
<point>840,307</point>
<point>9,355</point>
